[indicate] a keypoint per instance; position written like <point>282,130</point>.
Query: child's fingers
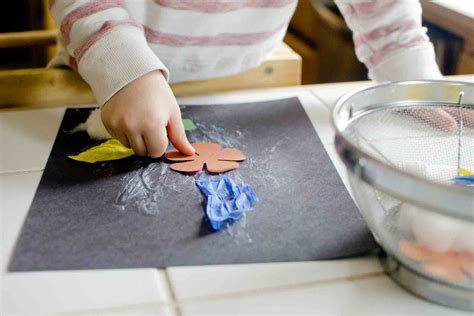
<point>121,138</point>
<point>435,117</point>
<point>115,133</point>
<point>137,144</point>
<point>156,142</point>
<point>177,135</point>
<point>467,117</point>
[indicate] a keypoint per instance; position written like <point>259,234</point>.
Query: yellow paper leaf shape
<point>110,150</point>
<point>465,172</point>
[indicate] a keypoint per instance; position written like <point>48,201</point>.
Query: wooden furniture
<point>26,48</point>
<point>319,34</point>
<point>282,68</point>
<point>28,39</point>
<point>42,87</point>
<point>457,17</point>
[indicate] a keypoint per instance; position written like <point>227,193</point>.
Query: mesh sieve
<point>408,139</point>
<point>403,144</point>
<point>428,141</point>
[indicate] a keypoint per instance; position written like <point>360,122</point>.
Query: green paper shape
<point>188,125</point>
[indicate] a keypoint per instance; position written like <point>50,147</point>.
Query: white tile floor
<point>34,133</point>
<point>63,291</point>
<point>328,94</point>
<point>157,309</point>
<point>198,282</point>
<point>373,295</point>
<point>338,287</point>
<point>74,291</point>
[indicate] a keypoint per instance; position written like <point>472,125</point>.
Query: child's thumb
<point>177,136</point>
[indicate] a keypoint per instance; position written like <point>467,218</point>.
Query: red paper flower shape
<point>212,156</point>
<point>454,266</point>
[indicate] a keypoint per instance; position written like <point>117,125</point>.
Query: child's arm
<point>390,40</point>
<point>110,52</point>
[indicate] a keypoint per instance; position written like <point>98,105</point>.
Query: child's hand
<point>144,114</point>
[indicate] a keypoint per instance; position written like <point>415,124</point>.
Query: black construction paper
<point>136,212</point>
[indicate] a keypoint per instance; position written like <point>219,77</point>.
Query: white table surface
<point>350,286</point>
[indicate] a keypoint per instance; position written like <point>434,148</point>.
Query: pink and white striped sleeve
<point>390,40</point>
<point>104,45</point>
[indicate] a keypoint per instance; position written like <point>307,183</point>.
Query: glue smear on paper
<point>262,171</point>
<point>143,189</point>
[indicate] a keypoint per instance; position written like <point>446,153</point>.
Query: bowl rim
<point>442,198</point>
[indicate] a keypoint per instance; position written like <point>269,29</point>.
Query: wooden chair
<point>323,39</point>
<point>44,87</point>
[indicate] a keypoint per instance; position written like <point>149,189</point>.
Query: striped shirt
<point>113,42</point>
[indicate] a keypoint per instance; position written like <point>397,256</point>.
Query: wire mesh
<point>430,142</point>
<point>423,140</point>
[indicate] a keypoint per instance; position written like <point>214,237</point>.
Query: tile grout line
<point>174,304</point>
<point>327,106</point>
<point>276,289</point>
<point>100,311</point>
<point>12,172</point>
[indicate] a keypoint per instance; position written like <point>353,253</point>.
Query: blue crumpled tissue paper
<point>464,180</point>
<point>226,201</point>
